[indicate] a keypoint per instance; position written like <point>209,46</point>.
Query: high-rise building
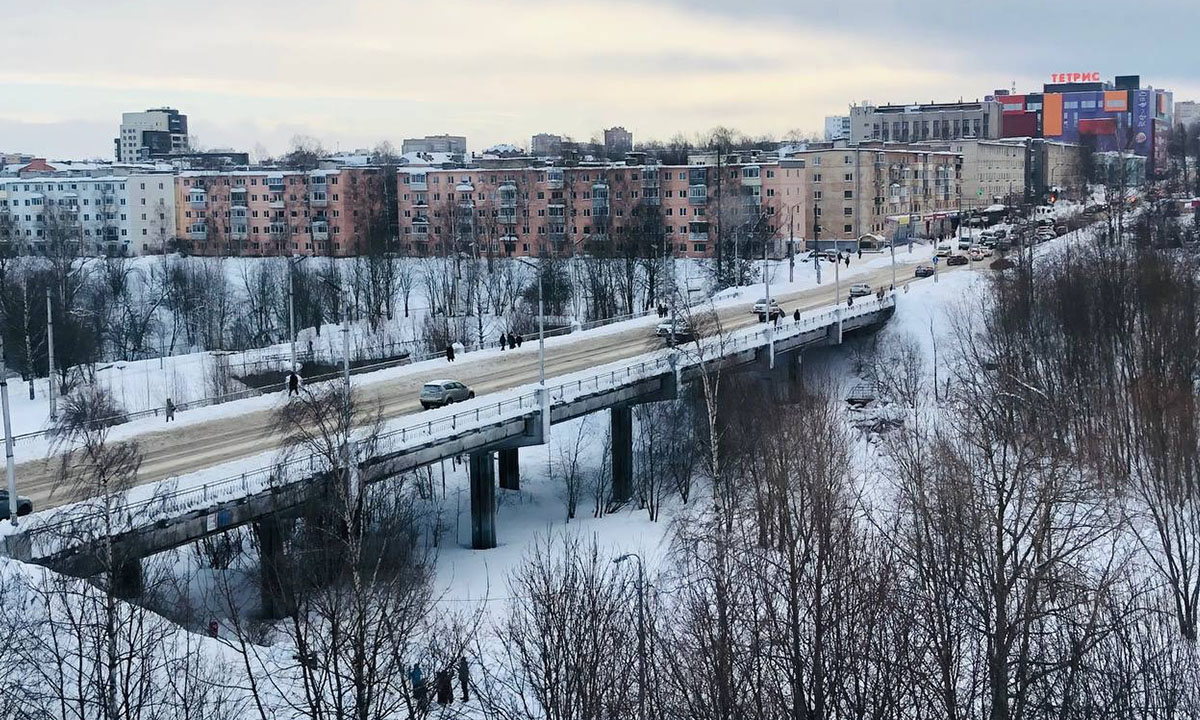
<point>454,144</point>
<point>155,133</point>
<point>917,123</point>
<point>1187,113</point>
<point>617,140</point>
<point>546,145</point>
<point>837,127</point>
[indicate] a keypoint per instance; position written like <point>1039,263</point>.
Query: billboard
<point>1142,123</point>
<point>1116,101</point>
<point>1052,115</point>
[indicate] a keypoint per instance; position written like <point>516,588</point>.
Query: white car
<point>860,290</point>
<point>677,330</point>
<point>760,309</point>
<point>945,250</point>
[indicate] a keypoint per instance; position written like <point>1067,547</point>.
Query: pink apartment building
<point>597,209</point>
<point>333,212</point>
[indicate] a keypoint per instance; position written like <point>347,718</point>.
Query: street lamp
<point>9,467</point>
<point>541,324</point>
<point>293,261</point>
<point>641,591</point>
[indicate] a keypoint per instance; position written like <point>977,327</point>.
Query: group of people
<point>662,310</point>
<point>443,685</point>
<point>510,340</point>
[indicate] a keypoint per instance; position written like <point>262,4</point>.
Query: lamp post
<point>9,468</point>
<point>641,592</point>
<point>50,356</point>
<point>292,263</point>
<point>541,324</point>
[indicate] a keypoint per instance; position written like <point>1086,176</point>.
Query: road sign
<point>936,259</point>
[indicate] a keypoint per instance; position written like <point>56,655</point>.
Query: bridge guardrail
<point>195,498</point>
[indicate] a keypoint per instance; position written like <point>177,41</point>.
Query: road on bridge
<point>173,452</point>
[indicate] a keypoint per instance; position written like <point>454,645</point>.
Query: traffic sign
<point>936,259</point>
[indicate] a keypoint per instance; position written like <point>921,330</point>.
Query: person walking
<point>796,316</point>
<point>445,690</point>
<point>170,410</point>
<point>520,340</point>
<point>503,341</point>
<point>293,383</point>
<point>847,259</point>
<point>450,353</point>
<point>464,677</point>
<point>420,692</point>
<point>860,253</point>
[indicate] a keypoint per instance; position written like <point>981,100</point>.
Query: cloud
<point>500,70</point>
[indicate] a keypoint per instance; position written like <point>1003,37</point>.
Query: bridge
<point>490,430</point>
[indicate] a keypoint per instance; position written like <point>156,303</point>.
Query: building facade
<point>264,212</point>
<point>597,209</point>
<point>993,171</point>
<point>617,140</point>
<point>837,127</point>
<point>1187,113</point>
<point>1110,116</point>
<point>453,144</point>
<point>155,133</point>
<point>114,215</point>
<point>917,123</point>
<point>545,145</point>
<point>874,188</point>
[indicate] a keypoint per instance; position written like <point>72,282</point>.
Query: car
<point>944,250</point>
<point>24,506</point>
<point>760,309</point>
<point>860,290</point>
<point>674,330</point>
<point>956,260</point>
<point>438,393</point>
<point>829,255</point>
<point>1000,234</point>
<point>923,271</point>
<point>965,243</point>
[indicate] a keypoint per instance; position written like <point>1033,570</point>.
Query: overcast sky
<point>351,73</point>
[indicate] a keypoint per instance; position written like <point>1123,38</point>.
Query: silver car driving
<point>437,393</point>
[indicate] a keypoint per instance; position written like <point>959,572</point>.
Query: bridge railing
<point>173,502</point>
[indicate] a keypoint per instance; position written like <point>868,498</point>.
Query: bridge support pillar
<point>273,574</point>
<point>510,469</point>
<point>483,500</point>
<point>127,579</point>
<point>622,453</point>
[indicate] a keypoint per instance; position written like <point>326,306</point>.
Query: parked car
<point>24,506</point>
<point>860,289</point>
<point>956,260</point>
<point>437,393</point>
<point>923,271</point>
<point>760,309</point>
<point>821,255</point>
<point>673,331</point>
<point>945,250</point>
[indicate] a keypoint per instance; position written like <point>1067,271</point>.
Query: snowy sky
<point>353,72</point>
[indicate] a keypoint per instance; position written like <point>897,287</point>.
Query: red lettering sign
<point>1075,77</point>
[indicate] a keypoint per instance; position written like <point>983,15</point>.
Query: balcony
<point>751,176</point>
<point>197,232</point>
<point>275,183</point>
<point>276,203</point>
<point>320,230</point>
<point>318,198</point>
<point>418,183</point>
<point>650,179</point>
<point>554,178</point>
<point>698,195</point>
<point>697,237</point>
<point>421,200</point>
<point>508,218</point>
<point>197,199</point>
<point>239,232</point>
<point>508,196</point>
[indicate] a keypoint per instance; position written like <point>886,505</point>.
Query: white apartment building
<point>157,132</point>
<point>992,170</point>
<point>837,127</point>
<point>112,215</point>
<point>1187,113</point>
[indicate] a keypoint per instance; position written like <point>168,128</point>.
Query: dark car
<point>956,260</point>
<point>24,506</point>
<point>923,271</point>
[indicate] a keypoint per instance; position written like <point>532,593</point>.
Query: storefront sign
<point>1075,77</point>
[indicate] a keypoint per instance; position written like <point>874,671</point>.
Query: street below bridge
<point>177,451</point>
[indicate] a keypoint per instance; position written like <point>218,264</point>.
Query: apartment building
<point>453,144</point>
<point>155,133</point>
<point>873,188</point>
<point>104,214</point>
<point>617,140</point>
<point>837,127</point>
<point>595,209</point>
<point>264,212</point>
<point>993,171</point>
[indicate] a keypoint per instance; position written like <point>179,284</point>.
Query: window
<point>848,177</point>
<point>816,194</point>
<point>848,211</point>
<point>816,177</point>
<point>848,195</point>
<point>848,228</point>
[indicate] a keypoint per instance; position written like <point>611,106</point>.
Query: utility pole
<point>770,319</point>
<point>9,468</point>
<point>641,593</point>
<point>50,352</point>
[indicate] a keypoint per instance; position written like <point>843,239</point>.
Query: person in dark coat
<point>850,301</point>
<point>449,353</point>
<point>796,316</point>
<point>503,340</point>
<point>847,259</point>
<point>170,410</point>
<point>520,340</point>
<point>464,677</point>
<point>860,253</point>
<point>445,690</point>
<point>293,383</point>
<point>418,685</point>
